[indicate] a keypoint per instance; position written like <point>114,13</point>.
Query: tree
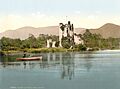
<point>66,42</point>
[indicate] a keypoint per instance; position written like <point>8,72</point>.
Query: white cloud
<point>92,17</point>
<point>77,12</point>
<point>33,14</point>
<point>14,21</point>
<point>98,12</point>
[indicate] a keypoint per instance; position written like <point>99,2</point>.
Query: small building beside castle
<point>51,43</point>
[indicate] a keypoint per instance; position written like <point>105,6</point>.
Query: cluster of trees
<point>97,41</point>
<point>67,42</point>
<point>94,41</point>
<point>30,42</point>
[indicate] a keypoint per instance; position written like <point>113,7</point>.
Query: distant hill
<point>108,30</point>
<point>24,32</point>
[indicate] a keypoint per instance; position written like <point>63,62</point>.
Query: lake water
<point>93,70</point>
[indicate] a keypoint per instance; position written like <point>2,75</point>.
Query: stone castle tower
<point>66,30</point>
<point>67,36</point>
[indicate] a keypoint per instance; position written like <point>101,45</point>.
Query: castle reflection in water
<point>67,64</point>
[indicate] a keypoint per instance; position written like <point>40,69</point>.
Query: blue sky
<point>59,6</point>
<point>96,12</point>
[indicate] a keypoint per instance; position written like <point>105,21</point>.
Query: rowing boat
<point>29,59</point>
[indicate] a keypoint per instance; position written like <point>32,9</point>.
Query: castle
<point>67,31</point>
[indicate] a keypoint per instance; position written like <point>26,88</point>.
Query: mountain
<point>108,30</point>
<point>24,32</point>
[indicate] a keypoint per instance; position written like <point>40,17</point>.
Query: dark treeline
<point>94,41</point>
<point>30,42</point>
<point>97,41</point>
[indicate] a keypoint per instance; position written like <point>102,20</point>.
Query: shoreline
<point>52,50</point>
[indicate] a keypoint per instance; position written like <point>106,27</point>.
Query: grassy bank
<point>39,50</point>
<point>44,50</point>
<point>47,50</point>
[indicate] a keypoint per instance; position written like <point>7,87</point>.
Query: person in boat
<point>24,64</point>
<point>24,55</point>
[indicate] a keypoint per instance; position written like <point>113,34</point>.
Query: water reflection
<point>88,62</point>
<point>24,63</point>
<point>64,62</point>
<point>67,64</point>
<point>84,70</point>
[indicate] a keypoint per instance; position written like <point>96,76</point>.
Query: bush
<point>80,47</point>
<point>66,42</point>
<point>1,53</point>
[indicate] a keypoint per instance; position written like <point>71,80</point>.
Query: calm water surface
<point>93,70</point>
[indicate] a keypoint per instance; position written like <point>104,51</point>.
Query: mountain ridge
<point>106,31</point>
<point>24,32</point>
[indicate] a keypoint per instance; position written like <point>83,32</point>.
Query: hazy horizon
<point>41,13</point>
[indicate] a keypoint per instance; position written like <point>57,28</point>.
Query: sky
<point>40,13</point>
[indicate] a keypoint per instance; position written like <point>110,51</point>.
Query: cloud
<point>38,14</point>
<point>98,12</point>
<point>14,21</point>
<point>92,17</point>
<point>77,12</point>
